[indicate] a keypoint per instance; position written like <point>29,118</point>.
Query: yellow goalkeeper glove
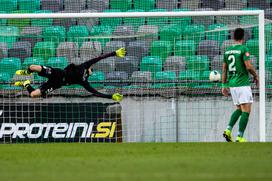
<point>121,52</point>
<point>117,97</point>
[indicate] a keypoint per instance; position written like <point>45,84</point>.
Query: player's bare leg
<point>36,93</point>
<point>234,118</point>
<point>246,109</point>
<point>30,70</point>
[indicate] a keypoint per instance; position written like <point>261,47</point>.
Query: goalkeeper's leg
<point>30,70</point>
<point>43,71</point>
<point>26,84</point>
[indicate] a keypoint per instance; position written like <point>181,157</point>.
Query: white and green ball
<point>215,76</point>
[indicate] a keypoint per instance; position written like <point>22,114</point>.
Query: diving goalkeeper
<point>72,74</point>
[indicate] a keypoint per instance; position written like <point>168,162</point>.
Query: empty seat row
<point>81,33</point>
<point>135,22</point>
<point>89,50</point>
<point>124,5</point>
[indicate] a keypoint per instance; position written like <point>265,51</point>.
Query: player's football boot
<point>240,139</point>
<point>227,135</point>
<point>22,72</point>
<point>22,83</point>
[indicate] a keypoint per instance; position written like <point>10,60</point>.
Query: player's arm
<point>119,53</point>
<point>250,68</point>
<point>225,90</point>
<point>116,97</point>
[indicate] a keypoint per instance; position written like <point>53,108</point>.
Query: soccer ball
<point>215,76</point>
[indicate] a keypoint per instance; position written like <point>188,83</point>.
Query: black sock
<point>29,88</point>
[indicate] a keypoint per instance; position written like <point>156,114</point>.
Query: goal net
<point>164,77</point>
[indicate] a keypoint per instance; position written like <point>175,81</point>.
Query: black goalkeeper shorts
<point>55,79</point>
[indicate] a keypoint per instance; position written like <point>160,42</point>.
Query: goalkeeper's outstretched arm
<point>119,53</point>
<point>116,97</point>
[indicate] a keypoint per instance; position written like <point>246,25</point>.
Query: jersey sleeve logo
<point>247,54</point>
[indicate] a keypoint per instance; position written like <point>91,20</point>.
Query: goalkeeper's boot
<point>227,135</point>
<point>22,72</point>
<point>22,83</point>
<point>240,139</point>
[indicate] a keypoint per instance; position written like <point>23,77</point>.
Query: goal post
<point>174,88</point>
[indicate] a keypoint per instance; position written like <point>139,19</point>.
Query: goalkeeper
<point>72,74</point>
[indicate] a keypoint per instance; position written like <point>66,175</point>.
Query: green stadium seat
<point>20,23</point>
<point>152,64</point>
<point>164,76</point>
<point>54,34</point>
<point>111,21</point>
<point>197,63</point>
<point>3,22</point>
<point>253,46</point>
<point>185,48</point>
<point>189,78</point>
<point>44,50</point>
<point>4,79</point>
<point>98,77</point>
<point>135,22</point>
<point>249,19</point>
<point>221,35</point>
<point>8,5</point>
<point>163,49</point>
<point>268,34</point>
<point>42,22</point>
<point>78,34</point>
<point>29,5</point>
<point>146,5</point>
<point>9,34</point>
<point>205,78</point>
<point>57,62</point>
<point>194,32</point>
<point>159,21</point>
<point>270,48</point>
<point>171,33</point>
<point>182,21</point>
<point>268,63</point>
<point>98,31</point>
<point>10,65</point>
<point>123,5</point>
<point>32,61</point>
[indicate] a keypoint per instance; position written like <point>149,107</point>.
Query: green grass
<point>141,161</point>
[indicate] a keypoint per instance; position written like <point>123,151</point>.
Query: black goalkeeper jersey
<point>79,74</point>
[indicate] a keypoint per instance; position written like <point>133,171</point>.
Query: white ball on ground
<point>215,76</point>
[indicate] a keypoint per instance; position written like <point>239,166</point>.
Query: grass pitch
<point>137,161</point>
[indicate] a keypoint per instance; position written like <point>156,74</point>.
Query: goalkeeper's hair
<point>239,34</point>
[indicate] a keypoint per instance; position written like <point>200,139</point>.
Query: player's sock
<point>243,123</point>
<point>29,88</point>
<point>233,119</point>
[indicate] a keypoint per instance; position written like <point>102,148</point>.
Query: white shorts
<point>241,95</point>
